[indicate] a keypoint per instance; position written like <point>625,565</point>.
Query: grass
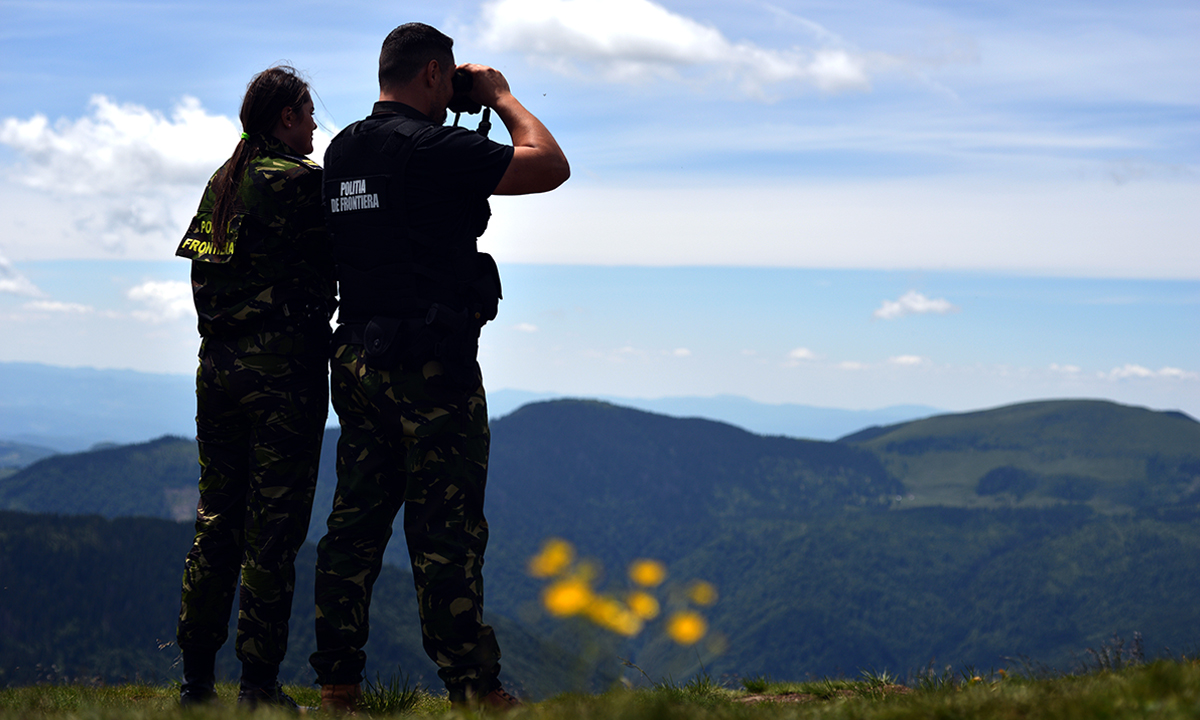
<point>1166,689</point>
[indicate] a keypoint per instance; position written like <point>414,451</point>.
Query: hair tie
<point>245,136</point>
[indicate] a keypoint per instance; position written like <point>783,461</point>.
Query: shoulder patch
<point>197,243</point>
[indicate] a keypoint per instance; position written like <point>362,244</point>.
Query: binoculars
<point>461,103</point>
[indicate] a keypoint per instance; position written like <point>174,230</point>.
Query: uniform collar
<point>391,107</point>
<point>275,146</point>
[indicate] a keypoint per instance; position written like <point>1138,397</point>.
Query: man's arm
<point>538,163</point>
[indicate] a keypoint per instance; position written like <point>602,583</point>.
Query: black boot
<point>199,680</point>
<point>252,697</point>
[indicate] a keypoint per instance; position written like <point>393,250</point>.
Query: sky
<point>854,204</point>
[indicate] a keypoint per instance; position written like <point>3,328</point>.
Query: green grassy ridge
<point>1166,689</point>
<point>1124,457</point>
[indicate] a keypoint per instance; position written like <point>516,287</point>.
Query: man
<point>405,201</point>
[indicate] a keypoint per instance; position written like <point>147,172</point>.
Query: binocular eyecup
<point>461,102</point>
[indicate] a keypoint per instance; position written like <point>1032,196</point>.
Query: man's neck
<point>411,99</point>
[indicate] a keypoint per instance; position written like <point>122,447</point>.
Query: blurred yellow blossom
<point>647,573</point>
<point>571,592</point>
<point>609,613</point>
<point>555,557</point>
<point>702,593</point>
<point>643,604</point>
<point>569,596</point>
<point>687,627</point>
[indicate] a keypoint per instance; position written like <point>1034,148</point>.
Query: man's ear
<point>433,73</point>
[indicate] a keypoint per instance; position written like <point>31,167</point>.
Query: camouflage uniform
<point>262,399</point>
<point>407,440</point>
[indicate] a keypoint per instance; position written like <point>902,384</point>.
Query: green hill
<point>153,479</point>
<point>626,480</point>
<point>1113,457</point>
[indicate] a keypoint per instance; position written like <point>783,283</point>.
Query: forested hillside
<point>962,539</point>
<point>84,598</point>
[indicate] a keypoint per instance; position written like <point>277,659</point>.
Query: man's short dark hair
<point>408,49</point>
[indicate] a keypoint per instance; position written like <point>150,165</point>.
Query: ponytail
<point>267,94</point>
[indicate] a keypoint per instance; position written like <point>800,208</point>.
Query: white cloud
<point>913,303</point>
<point>852,365</point>
<point>1065,369</point>
<point>907,360</point>
<point>56,306</point>
<point>634,40</point>
<point>117,149</point>
<point>799,355</point>
<point>1131,370</point>
<point>12,281</point>
<point>166,300</point>
<point>681,352</point>
<point>122,180</point>
<point>525,327</point>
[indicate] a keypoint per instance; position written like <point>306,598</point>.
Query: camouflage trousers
<point>259,424</point>
<point>407,441</point>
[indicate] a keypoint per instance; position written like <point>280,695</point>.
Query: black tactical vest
<point>386,269</point>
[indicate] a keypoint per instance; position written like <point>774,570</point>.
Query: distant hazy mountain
<point>18,455</point>
<point>790,419</point>
<point>73,409</point>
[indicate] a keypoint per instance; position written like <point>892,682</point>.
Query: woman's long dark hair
<point>268,93</point>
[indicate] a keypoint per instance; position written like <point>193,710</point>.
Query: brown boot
<point>341,699</point>
<point>499,700</point>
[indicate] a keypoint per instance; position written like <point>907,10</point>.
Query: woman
<point>263,283</point>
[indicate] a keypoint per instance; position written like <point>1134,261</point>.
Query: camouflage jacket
<point>277,263</point>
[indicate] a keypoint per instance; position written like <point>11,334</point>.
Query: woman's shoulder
<point>282,175</point>
<point>274,164</point>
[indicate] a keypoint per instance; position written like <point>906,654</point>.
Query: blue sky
<point>853,204</point>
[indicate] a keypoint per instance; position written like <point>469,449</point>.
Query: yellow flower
<point>702,593</point>
<point>569,596</point>
<point>643,604</point>
<point>686,628</point>
<point>647,573</point>
<point>610,614</point>
<point>555,557</point>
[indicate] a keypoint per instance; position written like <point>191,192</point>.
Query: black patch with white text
<point>356,194</point>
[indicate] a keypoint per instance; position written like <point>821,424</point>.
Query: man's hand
<point>538,164</point>
<point>487,84</point>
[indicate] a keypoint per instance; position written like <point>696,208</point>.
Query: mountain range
<point>1023,533</point>
<point>44,408</point>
